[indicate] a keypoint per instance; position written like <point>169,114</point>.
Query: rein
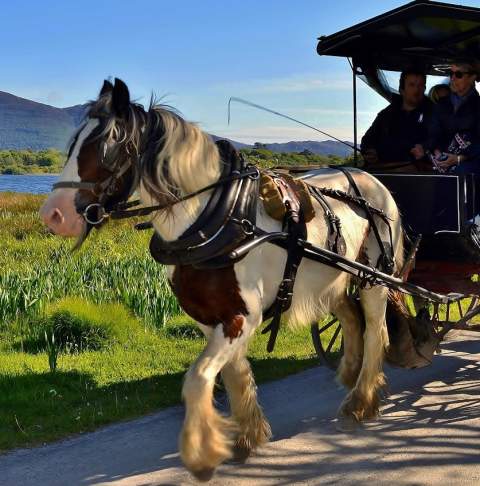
<point>122,211</point>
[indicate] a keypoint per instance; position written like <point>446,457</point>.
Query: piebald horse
<point>156,152</point>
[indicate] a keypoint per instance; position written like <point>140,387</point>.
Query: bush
<point>78,325</point>
<point>182,327</point>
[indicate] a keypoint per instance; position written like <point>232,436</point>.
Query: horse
<point>121,147</point>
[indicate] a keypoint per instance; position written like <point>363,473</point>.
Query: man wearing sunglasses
<point>454,129</point>
<point>395,137</point>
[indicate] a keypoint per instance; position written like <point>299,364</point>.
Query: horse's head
<point>102,164</point>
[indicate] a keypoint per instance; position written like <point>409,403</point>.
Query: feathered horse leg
<point>207,437</point>
<point>350,319</point>
<point>242,394</point>
<point>363,401</point>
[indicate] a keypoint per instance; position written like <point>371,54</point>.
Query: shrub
<point>79,325</point>
<point>182,327</point>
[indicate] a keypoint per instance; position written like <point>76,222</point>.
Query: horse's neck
<point>173,223</point>
<point>193,163</point>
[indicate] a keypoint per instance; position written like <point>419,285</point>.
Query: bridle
<point>103,190</point>
<point>96,213</point>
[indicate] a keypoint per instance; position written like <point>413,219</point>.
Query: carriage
<point>438,209</point>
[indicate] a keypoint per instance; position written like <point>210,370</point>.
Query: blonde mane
<point>179,159</point>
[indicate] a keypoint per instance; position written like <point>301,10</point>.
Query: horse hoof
<point>347,424</point>
<point>204,475</point>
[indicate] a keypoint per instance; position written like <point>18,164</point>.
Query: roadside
<point>427,434</point>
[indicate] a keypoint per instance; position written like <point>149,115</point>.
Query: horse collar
<point>225,223</point>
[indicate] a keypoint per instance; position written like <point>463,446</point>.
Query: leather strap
<point>386,262</point>
<point>336,241</point>
<point>297,231</point>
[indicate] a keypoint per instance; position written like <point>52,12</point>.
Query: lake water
<point>36,184</point>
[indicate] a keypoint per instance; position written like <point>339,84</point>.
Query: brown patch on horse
<point>211,297</point>
<point>89,170</point>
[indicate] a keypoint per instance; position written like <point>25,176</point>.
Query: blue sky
<point>196,54</point>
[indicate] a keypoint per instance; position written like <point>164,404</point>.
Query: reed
<point>114,265</point>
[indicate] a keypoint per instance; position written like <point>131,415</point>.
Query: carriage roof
<point>424,35</point>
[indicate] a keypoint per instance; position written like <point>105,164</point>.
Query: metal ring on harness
<point>101,214</point>
<point>255,175</point>
<point>247,226</point>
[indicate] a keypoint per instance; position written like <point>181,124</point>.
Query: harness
<point>226,230</point>
<point>226,222</point>
<point>102,189</point>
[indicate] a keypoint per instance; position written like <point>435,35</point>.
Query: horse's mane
<point>177,157</point>
<point>173,156</point>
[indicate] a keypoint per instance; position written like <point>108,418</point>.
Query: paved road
<point>429,433</point>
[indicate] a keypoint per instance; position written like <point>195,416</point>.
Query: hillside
<point>25,124</point>
<point>28,125</point>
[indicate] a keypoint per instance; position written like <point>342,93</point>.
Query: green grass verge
<point>129,379</point>
<point>111,290</point>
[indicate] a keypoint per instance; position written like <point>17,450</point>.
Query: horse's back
<point>370,187</point>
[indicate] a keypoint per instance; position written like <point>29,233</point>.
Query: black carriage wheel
<point>455,315</point>
<point>329,347</point>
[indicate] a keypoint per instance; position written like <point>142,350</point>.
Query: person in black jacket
<point>454,128</point>
<point>398,132</point>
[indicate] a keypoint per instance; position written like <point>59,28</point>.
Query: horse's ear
<point>106,88</point>
<point>120,98</point>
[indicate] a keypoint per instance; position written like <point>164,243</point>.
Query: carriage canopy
<point>422,34</point>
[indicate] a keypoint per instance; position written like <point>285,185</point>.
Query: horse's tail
<point>412,337</point>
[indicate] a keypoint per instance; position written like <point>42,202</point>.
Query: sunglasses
<point>458,74</point>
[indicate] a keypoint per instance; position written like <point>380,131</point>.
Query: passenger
<point>399,130</point>
<point>454,129</point>
<point>438,92</point>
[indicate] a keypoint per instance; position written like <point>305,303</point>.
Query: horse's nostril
<point>56,217</point>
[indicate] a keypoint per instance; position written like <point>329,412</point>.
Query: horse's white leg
<point>242,394</point>
<point>206,436</point>
<point>363,401</point>
<point>349,315</point>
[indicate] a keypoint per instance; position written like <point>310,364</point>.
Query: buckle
<point>256,174</point>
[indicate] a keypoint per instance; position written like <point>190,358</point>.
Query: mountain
<point>327,147</point>
<point>26,124</point>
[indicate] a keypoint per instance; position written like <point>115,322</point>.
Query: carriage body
<point>428,36</point>
<point>443,208</point>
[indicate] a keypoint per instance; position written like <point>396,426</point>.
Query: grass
<point>113,266</point>
<point>126,380</point>
<point>111,288</point>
